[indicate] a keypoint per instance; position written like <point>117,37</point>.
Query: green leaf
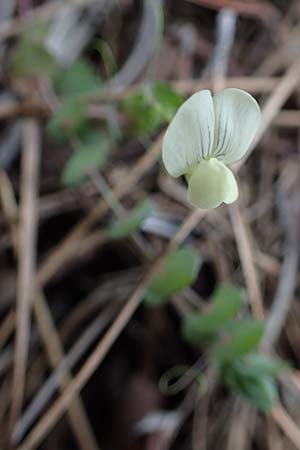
<point>107,56</point>
<point>260,364</point>
<point>180,270</point>
<point>77,79</point>
<point>143,118</point>
<point>260,390</point>
<point>31,59</point>
<point>150,107</point>
<point>245,337</point>
<point>132,222</point>
<point>91,154</point>
<point>168,100</point>
<point>228,294</point>
<point>35,32</point>
<point>69,119</point>
<point>202,327</point>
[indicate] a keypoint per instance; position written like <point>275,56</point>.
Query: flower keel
<point>211,183</point>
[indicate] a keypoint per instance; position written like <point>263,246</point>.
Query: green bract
<point>207,133</point>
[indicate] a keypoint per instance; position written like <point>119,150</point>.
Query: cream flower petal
<point>210,184</point>
<point>237,117</point>
<point>189,137</point>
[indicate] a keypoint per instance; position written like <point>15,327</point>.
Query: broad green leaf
<point>91,155</point>
<point>132,222</point>
<point>201,327</point>
<point>77,79</point>
<point>245,337</point>
<point>69,119</point>
<point>180,270</point>
<point>30,59</point>
<point>260,390</point>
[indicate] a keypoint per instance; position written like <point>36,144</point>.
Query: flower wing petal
<point>210,184</point>
<point>237,118</point>
<point>189,137</point>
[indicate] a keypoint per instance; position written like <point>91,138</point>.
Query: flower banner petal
<point>189,137</point>
<point>210,184</point>
<point>237,118</point>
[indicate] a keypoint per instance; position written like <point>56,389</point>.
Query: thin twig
<point>7,327</point>
<point>275,102</point>
<point>287,425</point>
<point>283,298</point>
<point>247,260</point>
<point>226,26</point>
<point>242,426</point>
<point>27,256</point>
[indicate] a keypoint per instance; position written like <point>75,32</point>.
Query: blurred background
<point>129,320</point>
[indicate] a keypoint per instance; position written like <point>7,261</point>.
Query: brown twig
<point>286,424</point>
<point>27,255</point>
<point>282,302</point>
<point>7,327</point>
<point>247,260</point>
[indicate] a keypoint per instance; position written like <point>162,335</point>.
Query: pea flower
<point>207,133</point>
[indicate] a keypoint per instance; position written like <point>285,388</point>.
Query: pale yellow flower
<point>207,133</point>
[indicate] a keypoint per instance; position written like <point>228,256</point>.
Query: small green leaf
<point>260,390</point>
<point>35,32</point>
<point>143,118</point>
<point>132,222</point>
<point>228,295</point>
<point>69,119</point>
<point>260,364</point>
<point>29,59</point>
<point>150,107</point>
<point>180,270</point>
<point>77,79</point>
<point>245,337</point>
<point>202,327</point>
<point>90,155</point>
<point>168,100</point>
<point>107,56</point>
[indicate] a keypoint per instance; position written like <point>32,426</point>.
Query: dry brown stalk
<point>26,262</point>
